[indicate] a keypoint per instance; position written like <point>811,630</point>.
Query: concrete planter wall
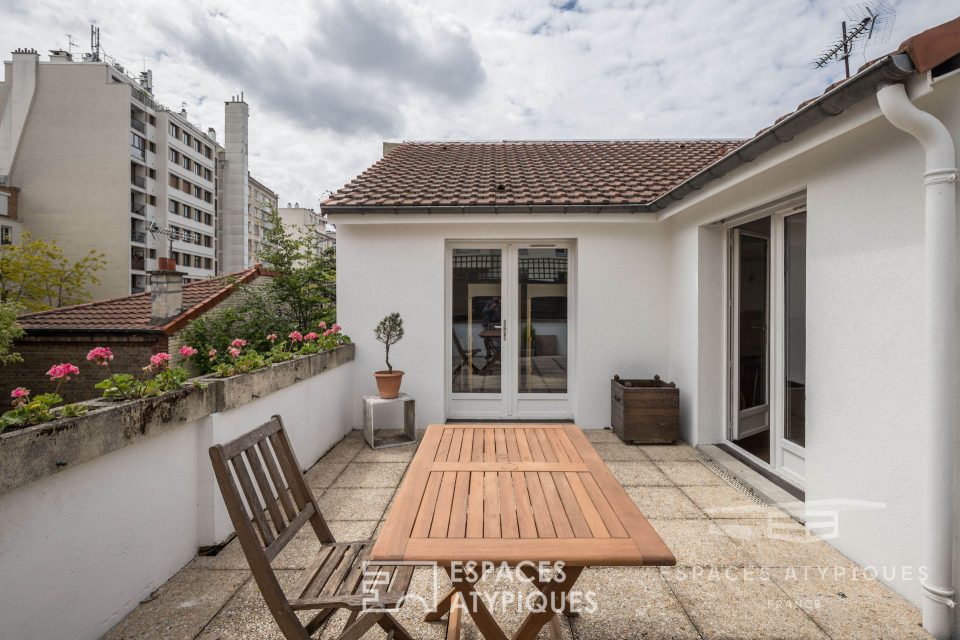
<point>98,511</point>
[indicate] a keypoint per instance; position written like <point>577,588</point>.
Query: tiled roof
<point>642,174</point>
<point>435,174</point>
<point>132,313</point>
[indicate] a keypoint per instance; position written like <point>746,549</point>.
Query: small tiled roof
<point>132,313</point>
<point>438,174</point>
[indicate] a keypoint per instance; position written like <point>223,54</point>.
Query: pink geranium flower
<point>336,328</point>
<point>310,337</point>
<point>272,338</point>
<point>212,354</point>
<point>63,371</point>
<point>100,356</point>
<point>327,332</point>
<point>160,360</point>
<point>234,352</point>
<point>238,342</point>
<point>187,351</point>
<point>322,325</point>
<point>20,392</point>
<point>295,336</point>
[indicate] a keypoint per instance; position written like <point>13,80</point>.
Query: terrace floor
<point>744,570</point>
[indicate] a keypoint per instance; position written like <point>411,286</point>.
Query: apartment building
<point>301,220</point>
<point>262,202</point>
<point>94,161</point>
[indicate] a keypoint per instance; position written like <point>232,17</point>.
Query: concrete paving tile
<point>246,615</point>
<point>776,542</point>
<point>372,474</point>
<point>344,451</point>
<point>866,619</point>
<point>229,557</point>
<point>355,435</point>
<point>354,504</point>
<point>739,603</point>
<point>688,473</point>
<point>701,542</point>
<point>321,475</point>
<point>182,606</point>
<point>601,435</point>
<point>725,502</point>
<point>680,451</point>
<point>402,453</point>
<point>668,503</point>
<point>634,474</point>
<point>619,452</point>
<point>631,603</point>
<point>825,582</point>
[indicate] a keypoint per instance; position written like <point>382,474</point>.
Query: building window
<point>208,219</point>
<point>208,174</point>
<point>198,192</point>
<point>152,200</point>
<point>185,186</point>
<point>174,131</point>
<point>207,242</point>
<point>6,235</point>
<point>152,173</point>
<point>185,211</point>
<point>207,263</point>
<point>186,138</point>
<point>176,257</point>
<point>198,262</point>
<point>207,196</point>
<point>207,151</point>
<point>174,181</point>
<point>173,206</point>
<point>186,163</point>
<point>174,156</point>
<point>152,253</point>
<point>152,120</point>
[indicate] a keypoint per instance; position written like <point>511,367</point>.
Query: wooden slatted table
<point>514,493</point>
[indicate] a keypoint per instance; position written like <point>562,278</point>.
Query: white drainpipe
<point>939,331</point>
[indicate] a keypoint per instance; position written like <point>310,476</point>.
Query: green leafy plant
<point>37,275</point>
<point>158,377</point>
<point>10,331</point>
<point>389,331</point>
<point>42,408</point>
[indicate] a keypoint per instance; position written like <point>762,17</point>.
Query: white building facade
<point>98,163</point>
<point>781,286</point>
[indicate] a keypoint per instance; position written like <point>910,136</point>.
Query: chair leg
<point>357,630</point>
<point>453,622</point>
<point>395,630</point>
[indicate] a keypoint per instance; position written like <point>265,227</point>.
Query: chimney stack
<point>166,292</point>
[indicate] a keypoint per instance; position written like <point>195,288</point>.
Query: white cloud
<point>328,82</point>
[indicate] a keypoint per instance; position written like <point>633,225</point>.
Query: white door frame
<point>509,403</point>
<point>780,447</point>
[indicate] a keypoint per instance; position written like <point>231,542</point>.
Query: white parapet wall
<point>81,547</point>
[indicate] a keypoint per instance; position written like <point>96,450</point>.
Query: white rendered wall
<point>81,548</point>
<point>620,288</point>
<point>864,343</point>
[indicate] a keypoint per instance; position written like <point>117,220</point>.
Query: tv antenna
<point>867,23</point>
<point>171,234</point>
<point>71,44</point>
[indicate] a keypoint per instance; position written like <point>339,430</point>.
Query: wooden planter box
<point>645,411</point>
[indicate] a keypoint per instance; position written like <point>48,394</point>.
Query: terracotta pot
<point>388,384</point>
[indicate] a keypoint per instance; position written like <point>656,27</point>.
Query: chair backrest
<point>459,347</point>
<point>257,473</point>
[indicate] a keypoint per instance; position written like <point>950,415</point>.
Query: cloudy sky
<point>327,81</point>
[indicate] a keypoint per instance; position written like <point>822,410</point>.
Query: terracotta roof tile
<point>434,174</point>
<point>132,313</point>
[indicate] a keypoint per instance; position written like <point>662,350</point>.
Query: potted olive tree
<point>389,332</point>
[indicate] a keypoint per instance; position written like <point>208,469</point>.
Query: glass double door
<point>509,331</point>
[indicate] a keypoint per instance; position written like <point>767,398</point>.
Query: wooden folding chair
<point>269,502</point>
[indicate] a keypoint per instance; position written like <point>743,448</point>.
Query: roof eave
<point>887,70</point>
<point>514,209</point>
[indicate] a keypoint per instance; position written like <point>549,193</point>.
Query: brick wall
<point>39,352</point>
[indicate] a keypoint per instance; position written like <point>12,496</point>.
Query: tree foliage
<point>9,332</point>
<point>306,272</point>
<point>389,331</point>
<point>37,275</point>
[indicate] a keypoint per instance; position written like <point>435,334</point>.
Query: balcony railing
<point>139,154</point>
<point>138,208</point>
<point>139,181</point>
<point>138,236</point>
<point>139,125</point>
<point>137,262</point>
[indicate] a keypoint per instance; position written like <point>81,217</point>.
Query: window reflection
<point>542,353</point>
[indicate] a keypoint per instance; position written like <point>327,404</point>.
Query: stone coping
<point>27,455</point>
